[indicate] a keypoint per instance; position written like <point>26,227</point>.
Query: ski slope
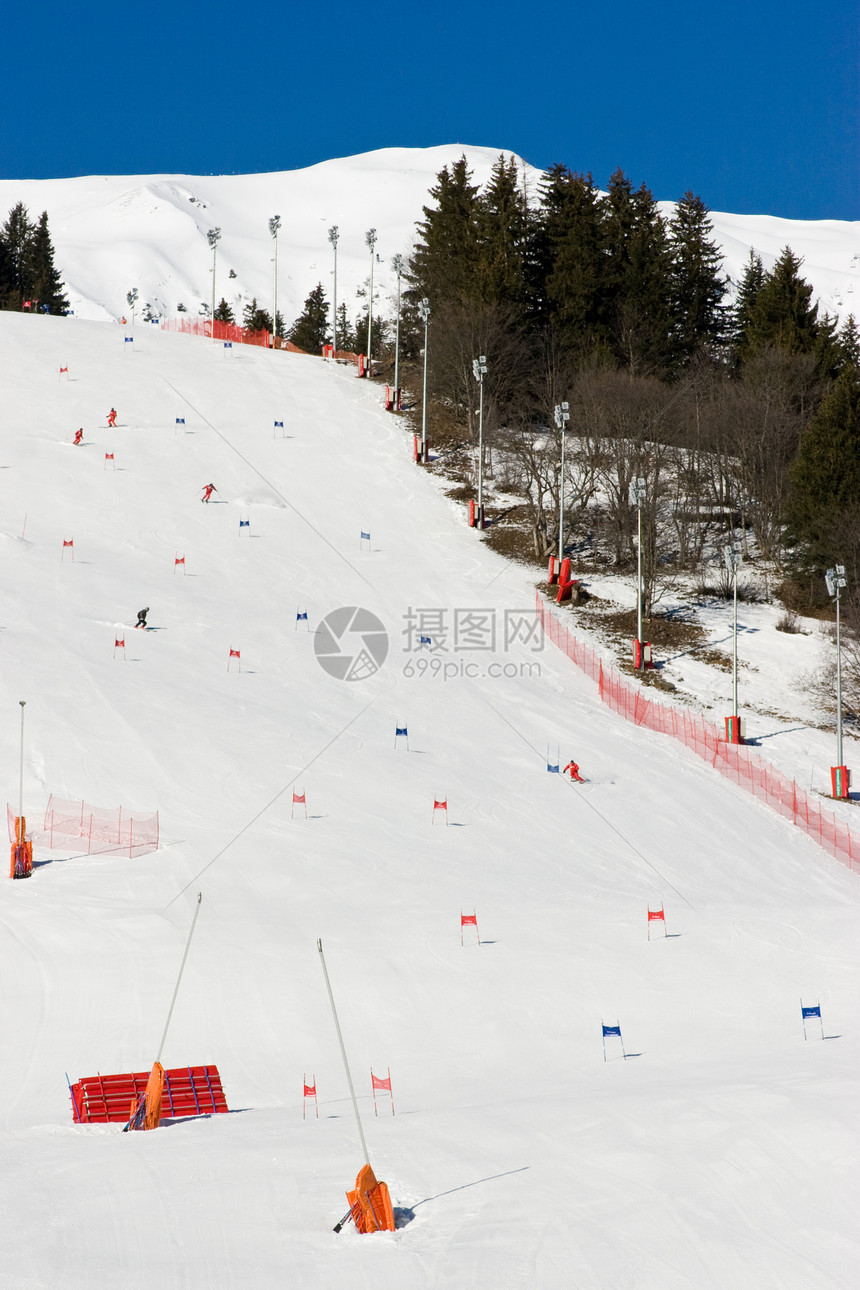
<point>720,1153</point>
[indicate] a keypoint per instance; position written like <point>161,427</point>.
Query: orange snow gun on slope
<point>22,851</point>
<point>370,1203</point>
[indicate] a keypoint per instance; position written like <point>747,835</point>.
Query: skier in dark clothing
<point>141,617</point>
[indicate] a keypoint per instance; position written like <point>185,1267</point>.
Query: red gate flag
<point>298,800</point>
<point>383,1085</point>
<point>109,458</point>
<point>179,559</point>
<point>234,653</point>
<point>310,1090</point>
<point>70,542</point>
<point>469,920</point>
<point>66,370</point>
<point>440,806</point>
<point>656,916</point>
<point>118,643</point>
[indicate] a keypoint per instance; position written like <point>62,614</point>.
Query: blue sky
<point>752,104</point>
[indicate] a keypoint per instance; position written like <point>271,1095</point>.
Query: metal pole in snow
<point>21,779</point>
<point>179,978</point>
<point>343,1054</point>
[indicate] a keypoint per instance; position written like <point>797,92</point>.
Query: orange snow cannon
<point>370,1203</point>
<point>21,865</point>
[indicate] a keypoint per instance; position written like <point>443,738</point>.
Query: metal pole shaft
<point>424,397</point>
<point>561,503</point>
<point>639,582</point>
<point>214,257</point>
<point>838,688</point>
<point>370,312</point>
<point>275,294</point>
<point>735,660</point>
<point>21,779</point>
<point>179,978</point>
<point>397,347</point>
<point>481,454</point>
<point>334,308</point>
<point>343,1054</point>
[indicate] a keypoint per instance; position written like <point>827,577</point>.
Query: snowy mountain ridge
<point>115,233</point>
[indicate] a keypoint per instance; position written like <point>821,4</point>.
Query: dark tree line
<point>27,270</point>
<point>727,410</point>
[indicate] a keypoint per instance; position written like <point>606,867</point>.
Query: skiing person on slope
<point>79,436</point>
<point>141,617</point>
<point>112,417</point>
<point>574,771</point>
<point>208,490</point>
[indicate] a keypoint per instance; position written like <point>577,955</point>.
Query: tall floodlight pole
<point>734,559</point>
<point>274,225</point>
<point>333,235</point>
<point>397,265</point>
<point>835,579</point>
<point>562,416</point>
<point>21,777</point>
<point>370,239</point>
<point>637,497</point>
<point>213,237</point>
<point>343,1054</point>
<point>479,368</point>
<point>424,311</point>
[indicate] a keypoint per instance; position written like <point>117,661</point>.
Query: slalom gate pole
<point>179,978</point>
<point>343,1055</point>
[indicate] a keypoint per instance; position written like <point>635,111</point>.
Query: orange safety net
<point>370,1203</point>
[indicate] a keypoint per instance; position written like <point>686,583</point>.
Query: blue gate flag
<point>228,344</point>
<point>423,640</point>
<point>399,730</point>
<point>129,340</point>
<point>612,1030</point>
<point>365,537</point>
<point>279,425</point>
<point>303,617</point>
<point>813,1011</point>
<point>180,421</point>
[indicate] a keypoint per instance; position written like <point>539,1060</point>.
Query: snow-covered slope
<point>113,233</point>
<point>720,1153</point>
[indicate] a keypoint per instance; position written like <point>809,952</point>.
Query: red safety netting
<point>217,331</point>
<point>739,764</point>
<point>105,832</point>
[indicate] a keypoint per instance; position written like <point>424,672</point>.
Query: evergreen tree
<point>224,312</point>
<point>256,319</point>
<point>345,332</point>
<point>849,341</point>
<point>745,304</point>
<point>824,504</point>
<point>698,314</point>
<point>569,259</point>
<point>310,330</point>
<point>502,225</point>
<point>45,283</point>
<point>444,262</point>
<point>17,236</point>
<point>639,284</point>
<point>380,335</point>
<point>783,313</point>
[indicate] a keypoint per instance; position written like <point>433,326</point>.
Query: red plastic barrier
<point>108,1099</point>
<point>735,761</point>
<point>217,331</point>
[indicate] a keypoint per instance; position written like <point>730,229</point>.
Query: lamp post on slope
<point>397,265</point>
<point>835,579</point>
<point>562,416</point>
<point>274,225</point>
<point>637,497</point>
<point>424,311</point>
<point>213,237</point>
<point>734,559</point>
<point>479,369</point>
<point>333,236</point>
<point>370,239</point>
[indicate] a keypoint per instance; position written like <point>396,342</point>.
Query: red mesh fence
<point>740,764</point>
<point>104,832</point>
<point>216,331</point>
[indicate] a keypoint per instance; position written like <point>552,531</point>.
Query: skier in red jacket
<point>208,490</point>
<point>112,417</point>
<point>79,436</point>
<point>573,769</point>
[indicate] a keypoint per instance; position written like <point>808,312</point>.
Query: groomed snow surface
<point>720,1153</point>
